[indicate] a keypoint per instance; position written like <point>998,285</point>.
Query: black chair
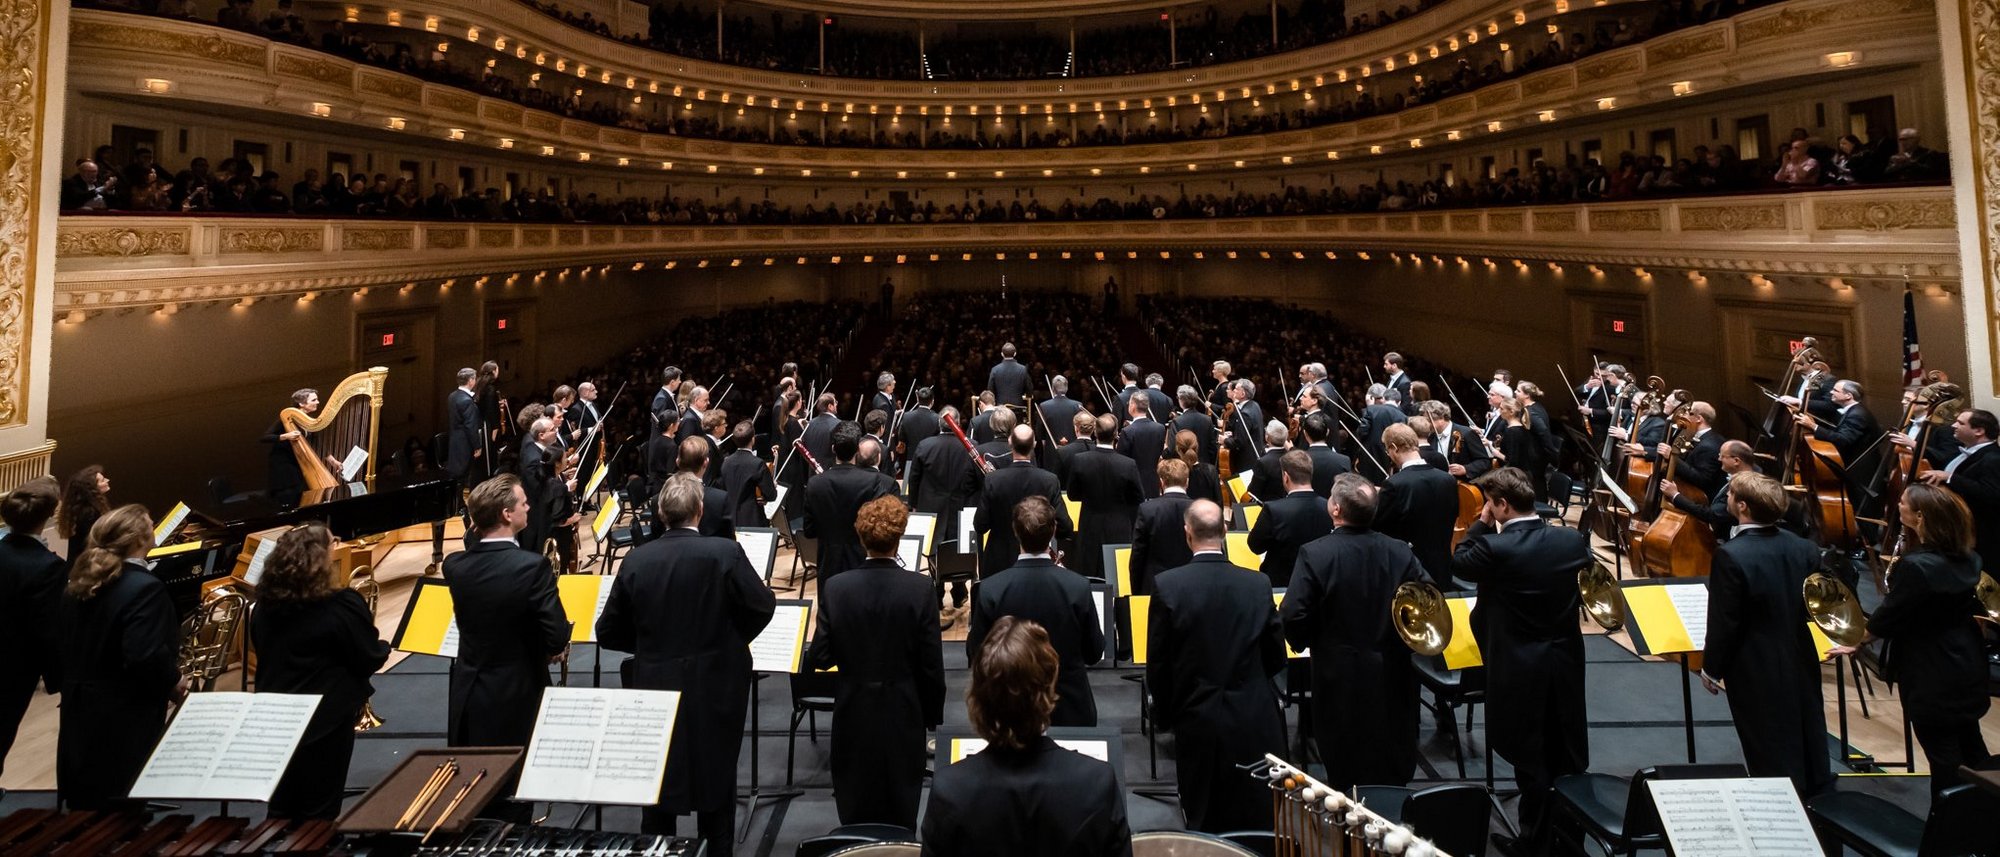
<point>1561,493</point>
<point>850,835</point>
<point>812,692</point>
<point>218,491</point>
<point>1456,817</point>
<point>1450,689</point>
<point>622,539</point>
<point>1961,822</point>
<point>1618,812</point>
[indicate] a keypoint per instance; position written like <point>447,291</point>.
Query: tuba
<point>1836,611</point>
<point>363,581</point>
<point>1601,599</point>
<point>1421,617</point>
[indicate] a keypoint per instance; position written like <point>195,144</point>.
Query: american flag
<point>1913,358</point>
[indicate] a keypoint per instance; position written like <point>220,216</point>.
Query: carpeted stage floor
<point>1634,710</point>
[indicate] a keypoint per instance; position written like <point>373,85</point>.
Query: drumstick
<point>455,801</point>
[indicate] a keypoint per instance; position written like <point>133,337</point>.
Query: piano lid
<point>389,502</point>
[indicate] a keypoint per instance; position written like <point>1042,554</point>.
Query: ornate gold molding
<point>452,100</point>
<point>445,238</point>
<point>120,241</point>
<point>1612,65</point>
<point>1625,220</point>
<point>1731,218</point>
<point>1881,216</point>
<point>399,88</point>
<point>1555,220</point>
<point>234,241</point>
<point>314,68</point>
<point>1980,38</point>
<point>24,42</point>
<point>210,45</point>
<point>1698,43</point>
<point>375,239</point>
<point>1798,20</point>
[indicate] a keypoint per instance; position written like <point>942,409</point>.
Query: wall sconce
<point>1682,87</point>
<point>322,109</point>
<point>156,86</point>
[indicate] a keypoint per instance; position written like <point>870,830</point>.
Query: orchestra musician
<point>884,399</point>
<point>1008,379</point>
<point>1535,416</point>
<point>1204,482</point>
<point>1421,426</point>
<point>1000,424</point>
<point>1853,432</point>
<point>86,497</point>
<point>1458,443</point>
<point>1143,440</point>
<point>465,444</point>
<point>1974,475</point>
<point>118,667</point>
<point>982,430</point>
<point>876,426</point>
<point>1083,440</point>
<point>1291,521</point>
<point>1701,466</point>
<point>690,423</point>
<point>1380,413</point>
<point>31,584</point>
<point>666,403</point>
<point>1418,504</point>
<point>1242,427</point>
<point>1516,446</point>
<point>876,626</point>
<point>1759,646</point>
<point>1128,380</point>
<point>1159,536</point>
<point>717,516</point>
<point>1599,397</point>
<point>920,423</point>
<point>492,411</point>
<point>745,479</point>
<point>1195,419</point>
<point>834,497</point>
<point>1218,395</point>
<point>818,435</point>
<point>311,637</point>
<point>789,468</point>
<point>1005,488</point>
<point>1735,458</point>
<point>287,482</point>
<point>1106,485</point>
<point>1312,376</point>
<point>1265,475</point>
<point>1935,648</point>
<point>1496,425</point>
<point>942,481</point>
<point>511,627</point>
<point>1327,463</point>
<point>1311,403</point>
<point>781,409</point>
<point>1526,623</point>
<point>714,427</point>
<point>1211,625</point>
<point>551,515</point>
<point>1023,794</point>
<point>1397,379</point>
<point>1362,678</point>
<point>1035,588</point>
<point>1159,405</point>
<point>579,418</point>
<point>687,606</point>
<point>663,456</point>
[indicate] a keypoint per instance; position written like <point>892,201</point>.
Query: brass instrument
<point>208,636</point>
<point>363,581</point>
<point>1601,598</point>
<point>1421,617</point>
<point>1988,592</point>
<point>350,416</point>
<point>1835,610</point>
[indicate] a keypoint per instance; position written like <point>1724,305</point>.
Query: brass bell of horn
<point>1835,610</point>
<point>1988,592</point>
<point>1421,617</point>
<point>1601,598</point>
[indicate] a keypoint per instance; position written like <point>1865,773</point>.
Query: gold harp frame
<point>368,384</point>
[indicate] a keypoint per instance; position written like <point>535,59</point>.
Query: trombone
<point>362,580</point>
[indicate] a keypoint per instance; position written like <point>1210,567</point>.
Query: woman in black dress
<point>120,663</point>
<point>1934,648</point>
<point>86,497</point>
<point>1518,446</point>
<point>1204,483</point>
<point>312,637</point>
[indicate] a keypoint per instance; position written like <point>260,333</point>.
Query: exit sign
<point>499,324</point>
<point>1793,346</point>
<point>1617,325</point>
<point>388,339</point>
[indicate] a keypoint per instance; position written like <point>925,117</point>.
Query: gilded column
<point>1970,34</point>
<point>34,37</point>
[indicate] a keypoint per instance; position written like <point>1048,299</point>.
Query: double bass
<point>1814,467</point>
<point>1673,543</point>
<point>1638,471</point>
<point>1470,498</point>
<point>1940,401</point>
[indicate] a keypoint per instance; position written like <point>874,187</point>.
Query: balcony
<point>1839,237</point>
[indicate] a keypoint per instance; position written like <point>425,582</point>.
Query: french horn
<point>1421,617</point>
<point>1601,598</point>
<point>363,581</point>
<point>1835,609</point>
<point>1988,592</point>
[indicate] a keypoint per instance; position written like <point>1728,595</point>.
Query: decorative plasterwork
<point>375,240</point>
<point>313,67</point>
<point>1879,216</point>
<point>274,240</point>
<point>1694,44</point>
<point>1798,20</point>
<point>119,241</point>
<point>1731,218</point>
<point>24,37</point>
<point>1981,40</point>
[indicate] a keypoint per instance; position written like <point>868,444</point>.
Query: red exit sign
<point>1617,325</point>
<point>388,339</point>
<point>499,324</point>
<point>1794,345</point>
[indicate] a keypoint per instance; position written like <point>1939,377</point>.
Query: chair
<point>626,537</point>
<point>218,491</point>
<point>1450,689</point>
<point>1619,813</point>
<point>1561,493</point>
<point>812,692</point>
<point>848,836</point>
<point>1456,817</point>
<point>1178,843</point>
<point>882,849</point>
<point>1961,822</point>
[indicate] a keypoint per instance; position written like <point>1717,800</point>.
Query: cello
<point>1940,401</point>
<point>1470,498</point>
<point>1673,543</point>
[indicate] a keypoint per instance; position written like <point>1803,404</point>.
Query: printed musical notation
<point>227,746</point>
<point>1749,817</point>
<point>599,745</point>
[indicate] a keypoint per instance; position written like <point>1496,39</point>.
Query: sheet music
<point>771,508</point>
<point>1690,600</point>
<point>596,477</point>
<point>778,647</point>
<point>255,571</point>
<point>1097,599</point>
<point>967,539</point>
<point>227,746</point>
<point>1734,817</point>
<point>1099,750</point>
<point>352,463</point>
<point>922,524</point>
<point>756,545</point>
<point>910,553</point>
<point>607,517</point>
<point>599,745</point>
<point>448,647</point>
<point>173,520</point>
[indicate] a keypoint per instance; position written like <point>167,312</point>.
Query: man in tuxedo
<point>920,422</point>
<point>1006,487</point>
<point>1266,478</point>
<point>1143,441</point>
<point>663,459</point>
<point>463,445</point>
<point>1289,522</point>
<point>1940,446</point>
<point>1000,424</point>
<point>884,399</point>
<point>511,626</point>
<point>1459,445</point>
<point>832,499</point>
<point>818,435</point>
<point>1496,393</point>
<point>1194,417</point>
<point>1418,504</point>
<point>1736,458</point>
<point>1213,645</point>
<point>1106,485</point>
<point>1159,405</point>
<point>1159,538</point>
<point>981,429</point>
<point>1397,378</point>
<point>1526,624</point>
<point>875,426</point>
<point>1128,379</point>
<point>1600,396</point>
<point>943,482</point>
<point>1701,466</point>
<point>1376,418</point>
<point>687,606</point>
<point>1974,475</point>
<point>717,517</point>
<point>691,416</point>
<point>1059,411</point>
<point>1008,380</point>
<point>1035,588</point>
<point>1758,640</point>
<point>31,585</point>
<point>579,417</point>
<point>1083,430</point>
<point>548,492</point>
<point>1364,687</point>
<point>1245,426</point>
<point>666,402</point>
<point>746,482</point>
<point>1854,433</point>
<point>1311,402</point>
<point>1313,376</point>
<point>1327,463</point>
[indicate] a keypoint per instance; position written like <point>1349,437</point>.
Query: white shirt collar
<point>1740,529</point>
<point>1173,489</point>
<point>1968,451</point>
<point>1512,521</point>
<point>1042,555</point>
<point>1842,410</point>
<point>1412,459</point>
<point>508,539</point>
<point>1202,553</point>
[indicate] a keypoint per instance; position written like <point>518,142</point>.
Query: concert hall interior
<point>1284,427</point>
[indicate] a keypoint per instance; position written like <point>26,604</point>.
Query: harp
<point>349,417</point>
